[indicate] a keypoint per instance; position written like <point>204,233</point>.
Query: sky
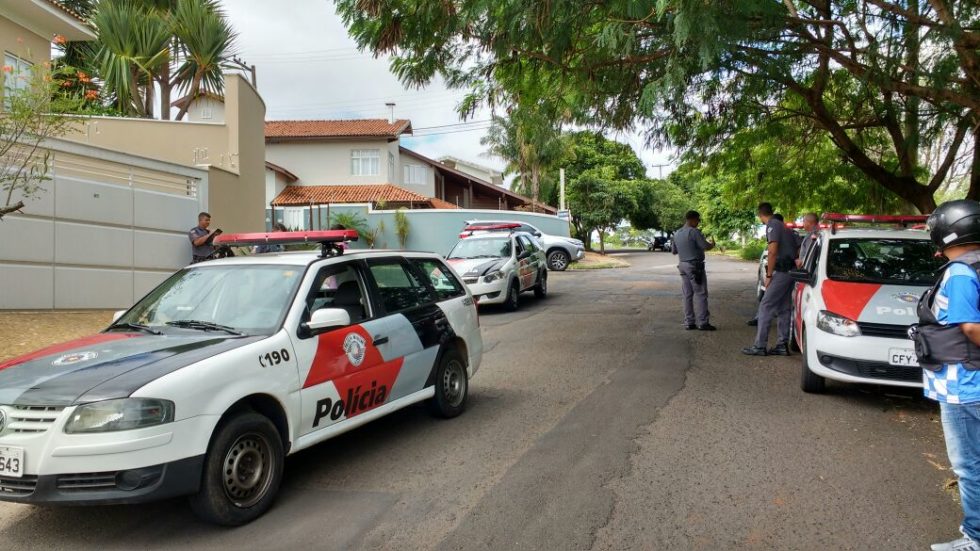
<point>309,68</point>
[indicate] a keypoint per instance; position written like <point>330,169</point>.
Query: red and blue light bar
<point>901,220</point>
<point>329,240</point>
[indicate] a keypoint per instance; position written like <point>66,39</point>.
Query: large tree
<point>881,79</point>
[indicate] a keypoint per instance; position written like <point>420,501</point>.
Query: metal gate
<point>106,228</point>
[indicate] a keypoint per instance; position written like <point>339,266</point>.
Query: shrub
<point>752,250</point>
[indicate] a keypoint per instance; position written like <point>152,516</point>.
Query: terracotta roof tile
<point>67,10</point>
<point>440,204</point>
<point>280,170</point>
<point>369,128</point>
<point>372,193</point>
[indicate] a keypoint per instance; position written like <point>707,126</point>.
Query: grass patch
<point>596,261</point>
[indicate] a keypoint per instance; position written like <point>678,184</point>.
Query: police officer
<point>776,302</point>
<point>201,240</point>
<point>811,229</point>
<point>689,245</point>
<point>947,344</point>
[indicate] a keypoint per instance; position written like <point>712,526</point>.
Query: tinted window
<point>897,261</point>
<point>398,288</point>
<point>529,244</point>
<point>339,286</point>
<point>445,284</point>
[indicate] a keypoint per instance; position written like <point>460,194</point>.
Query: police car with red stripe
<point>207,383</point>
<point>856,297</point>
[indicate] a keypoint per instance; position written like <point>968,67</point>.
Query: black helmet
<point>955,223</point>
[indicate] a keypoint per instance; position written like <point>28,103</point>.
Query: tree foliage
<point>600,202</point>
<point>145,46</point>
<point>29,116</point>
<point>879,79</point>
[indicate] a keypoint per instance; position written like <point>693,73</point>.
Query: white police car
<point>207,383</point>
<point>497,266</point>
<point>855,298</point>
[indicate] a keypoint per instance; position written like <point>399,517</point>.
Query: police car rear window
<point>881,260</point>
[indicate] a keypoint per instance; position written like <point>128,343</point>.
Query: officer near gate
<point>201,239</point>
<point>777,300</point>
<point>947,345</point>
<point>689,245</point>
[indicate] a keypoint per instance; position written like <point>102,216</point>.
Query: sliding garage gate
<point>106,228</point>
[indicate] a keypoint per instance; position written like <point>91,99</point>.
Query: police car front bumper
<point>145,484</point>
<point>488,293</point>
<point>862,359</point>
<point>129,466</point>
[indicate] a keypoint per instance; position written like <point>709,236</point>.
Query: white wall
<point>329,162</point>
<point>274,184</point>
<point>95,236</point>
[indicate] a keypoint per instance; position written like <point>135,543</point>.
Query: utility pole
<point>561,189</point>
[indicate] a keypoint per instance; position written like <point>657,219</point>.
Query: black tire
<point>239,444</point>
<point>541,289</point>
<point>810,382</point>
<point>558,260</point>
<point>451,384</point>
<point>513,300</point>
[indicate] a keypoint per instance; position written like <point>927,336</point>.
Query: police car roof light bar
<point>468,230</point>
<point>328,239</point>
<point>901,220</point>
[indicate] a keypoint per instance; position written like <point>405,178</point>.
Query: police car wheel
<point>451,385</point>
<point>810,382</point>
<point>513,300</point>
<point>558,260</point>
<point>541,290</point>
<point>242,471</point>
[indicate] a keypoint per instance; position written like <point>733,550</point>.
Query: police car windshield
<point>247,299</point>
<point>482,248</point>
<point>880,260</point>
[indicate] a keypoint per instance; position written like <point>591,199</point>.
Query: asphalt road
<point>596,422</point>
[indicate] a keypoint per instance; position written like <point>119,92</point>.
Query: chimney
<point>391,112</point>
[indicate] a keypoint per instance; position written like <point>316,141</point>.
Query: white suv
<point>207,383</point>
<point>559,251</point>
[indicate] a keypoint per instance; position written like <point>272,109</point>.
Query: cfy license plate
<point>902,356</point>
<point>11,461</point>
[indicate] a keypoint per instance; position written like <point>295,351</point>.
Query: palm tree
<point>529,142</point>
<point>170,44</point>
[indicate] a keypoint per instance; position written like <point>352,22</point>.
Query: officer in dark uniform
<point>202,247</point>
<point>689,244</point>
<point>777,301</point>
<point>947,345</point>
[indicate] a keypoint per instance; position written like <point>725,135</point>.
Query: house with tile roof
<point>336,162</point>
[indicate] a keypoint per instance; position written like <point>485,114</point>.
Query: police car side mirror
<point>801,276</point>
<point>117,314</point>
<point>327,318</point>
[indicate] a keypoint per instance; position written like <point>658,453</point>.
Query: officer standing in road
<point>776,302</point>
<point>689,245</point>
<point>947,344</point>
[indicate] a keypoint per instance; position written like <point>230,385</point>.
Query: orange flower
<point>82,77</point>
<point>59,39</point>
<point>92,95</point>
<point>7,69</point>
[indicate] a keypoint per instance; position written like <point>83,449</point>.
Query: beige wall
<point>23,43</point>
<point>233,151</point>
<point>428,186</point>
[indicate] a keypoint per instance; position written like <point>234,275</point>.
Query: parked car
<point>207,383</point>
<point>497,267</point>
<point>659,243</point>
<point>560,251</point>
<point>854,301</point>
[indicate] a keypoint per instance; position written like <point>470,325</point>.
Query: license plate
<point>11,462</point>
<point>902,356</point>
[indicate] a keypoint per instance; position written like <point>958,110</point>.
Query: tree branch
<point>943,170</point>
<point>11,208</point>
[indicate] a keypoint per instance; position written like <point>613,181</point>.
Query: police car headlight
<point>123,414</point>
<point>838,325</point>
<point>499,274</point>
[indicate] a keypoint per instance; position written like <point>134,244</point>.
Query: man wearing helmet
<point>947,342</point>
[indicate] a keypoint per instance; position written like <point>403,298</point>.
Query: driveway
<point>596,421</point>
